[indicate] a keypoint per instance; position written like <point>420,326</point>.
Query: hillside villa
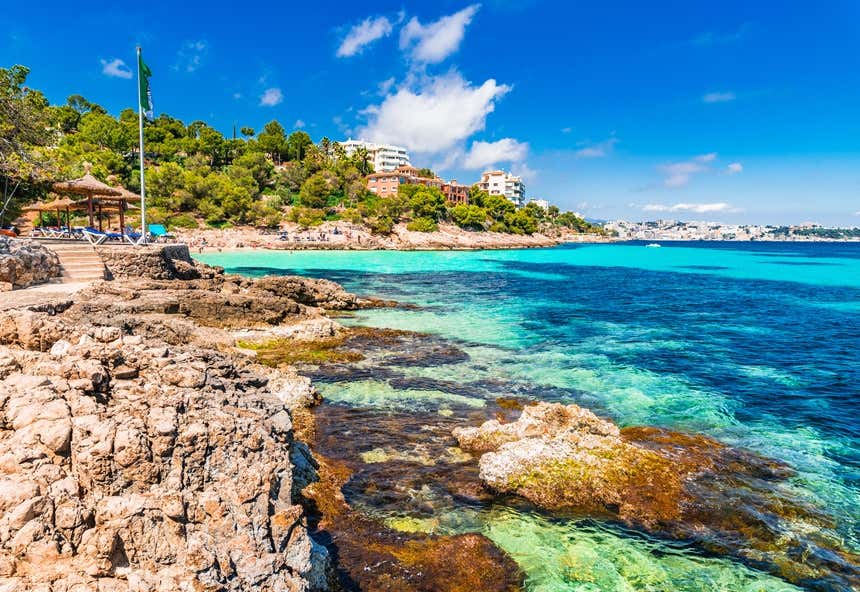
<point>385,184</point>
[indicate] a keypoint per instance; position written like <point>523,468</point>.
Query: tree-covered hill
<point>195,175</point>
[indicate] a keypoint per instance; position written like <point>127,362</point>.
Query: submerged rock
<point>679,485</point>
<point>374,557</point>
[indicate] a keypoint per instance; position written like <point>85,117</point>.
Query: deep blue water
<point>755,344</point>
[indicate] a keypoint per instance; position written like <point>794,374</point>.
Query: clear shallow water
<point>755,344</point>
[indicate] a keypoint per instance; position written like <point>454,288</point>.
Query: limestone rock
<point>132,464</point>
<point>24,263</point>
<point>674,484</point>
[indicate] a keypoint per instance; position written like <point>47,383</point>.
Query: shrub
<point>498,227</point>
<point>317,190</point>
<point>352,215</point>
<point>182,221</point>
<point>422,224</point>
<point>307,217</point>
<point>521,222</point>
<point>427,202</point>
<point>380,225</point>
<point>468,216</point>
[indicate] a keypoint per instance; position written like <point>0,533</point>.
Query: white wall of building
<point>384,157</point>
<point>502,183</point>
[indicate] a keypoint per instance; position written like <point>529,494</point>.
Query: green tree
<point>468,216</point>
<point>248,132</point>
<point>361,159</point>
<point>477,196</point>
<point>427,173</point>
<point>105,132</point>
<point>258,166</point>
<point>24,127</point>
<point>423,225</point>
<point>521,222</point>
<point>534,210</point>
<point>498,206</point>
<point>297,145</point>
<point>427,202</point>
<point>273,141</point>
<point>315,192</point>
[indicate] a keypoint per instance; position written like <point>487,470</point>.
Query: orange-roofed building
<point>387,184</point>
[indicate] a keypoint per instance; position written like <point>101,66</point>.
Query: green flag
<point>145,93</point>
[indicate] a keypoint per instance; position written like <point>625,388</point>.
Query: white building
<point>384,157</point>
<point>541,203</point>
<point>502,183</point>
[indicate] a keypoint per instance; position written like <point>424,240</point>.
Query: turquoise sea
<point>754,344</point>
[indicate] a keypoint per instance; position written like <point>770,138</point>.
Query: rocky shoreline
<point>161,432</point>
<point>142,450</point>
<point>25,263</point>
<point>347,236</point>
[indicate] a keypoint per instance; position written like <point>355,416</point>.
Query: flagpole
<point>140,130</point>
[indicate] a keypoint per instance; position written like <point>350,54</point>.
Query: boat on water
<point>653,245</point>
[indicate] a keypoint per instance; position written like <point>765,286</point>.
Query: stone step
<point>78,269</point>
<point>90,274</point>
<point>79,263</point>
<point>67,260</point>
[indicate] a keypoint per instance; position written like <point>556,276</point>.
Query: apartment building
<point>386,184</point>
<point>384,157</point>
<point>541,203</point>
<point>502,183</point>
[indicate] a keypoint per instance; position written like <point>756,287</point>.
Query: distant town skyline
<point>735,112</point>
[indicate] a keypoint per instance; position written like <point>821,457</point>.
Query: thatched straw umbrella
<point>105,207</point>
<point>39,206</point>
<point>62,203</point>
<point>88,186</point>
<point>124,198</point>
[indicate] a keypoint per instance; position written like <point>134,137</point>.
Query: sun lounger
<point>158,232</point>
<point>95,237</point>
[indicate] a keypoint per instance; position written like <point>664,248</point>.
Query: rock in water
<point>680,485</point>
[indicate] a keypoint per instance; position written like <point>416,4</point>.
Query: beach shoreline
<point>338,236</point>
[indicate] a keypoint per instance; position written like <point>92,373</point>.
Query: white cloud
<point>272,96</point>
<point>385,86</point>
<point>734,168</point>
<point>190,55</point>
<point>433,42</point>
<point>697,208</point>
<point>717,38</point>
<point>363,34</point>
<point>566,130</point>
<point>718,97</point>
<point>435,116</point>
<point>237,95</point>
<point>523,170</point>
<point>299,124</point>
<point>116,68</point>
<point>597,150</point>
<point>678,174</point>
<point>487,154</point>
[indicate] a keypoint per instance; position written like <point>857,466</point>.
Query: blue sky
<point>730,110</point>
